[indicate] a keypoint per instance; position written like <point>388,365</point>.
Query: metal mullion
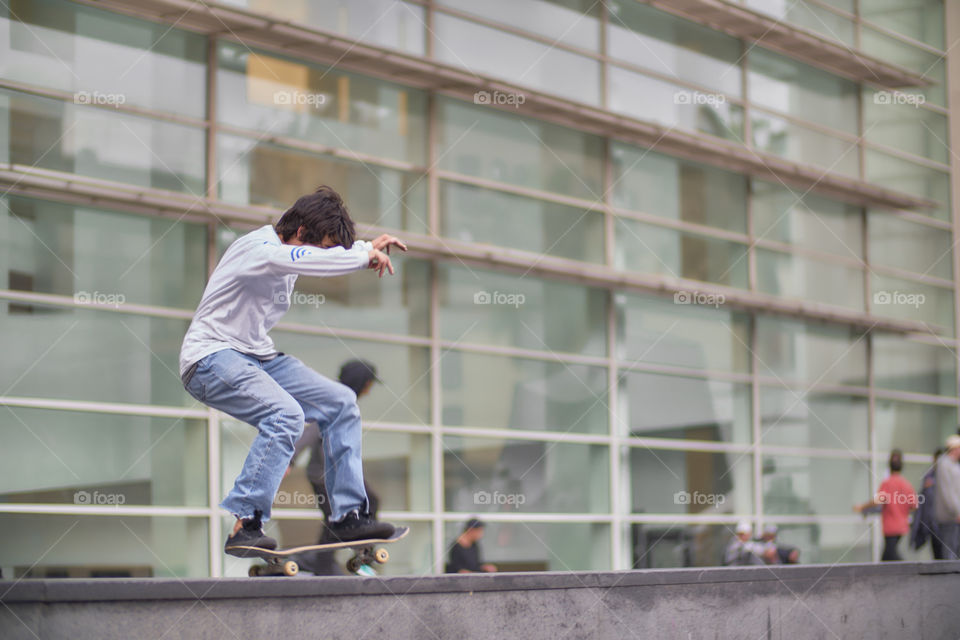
<point>526,192</point>
<point>684,372</point>
<point>520,352</point>
<point>436,421</point>
<point>111,408</point>
<point>509,433</point>
<point>715,233</point>
<point>756,426</point>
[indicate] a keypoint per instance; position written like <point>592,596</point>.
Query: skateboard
<point>280,562</point>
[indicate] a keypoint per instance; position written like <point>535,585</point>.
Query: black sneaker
<point>358,526</point>
<point>250,535</point>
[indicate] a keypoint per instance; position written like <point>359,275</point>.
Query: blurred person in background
<point>465,554</point>
<point>924,521</point>
<point>896,499</point>
<point>946,507</point>
<point>744,551</point>
<point>774,553</point>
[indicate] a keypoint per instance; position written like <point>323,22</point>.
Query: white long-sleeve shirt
<point>250,290</point>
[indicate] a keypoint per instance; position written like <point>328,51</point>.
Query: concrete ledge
<point>894,600</point>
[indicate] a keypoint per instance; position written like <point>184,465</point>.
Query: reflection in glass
<point>656,406</point>
<point>541,546</point>
<point>793,350</point>
<point>139,460</point>
<point>903,244</point>
<point>530,394</point>
<point>72,546</point>
<point>906,365</point>
<point>802,418</point>
<point>796,276</point>
<point>690,482</point>
<point>913,427</point>
<point>794,485</point>
<point>503,309</point>
<point>486,475</point>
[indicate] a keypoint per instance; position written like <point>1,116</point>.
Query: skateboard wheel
<point>290,568</point>
<point>253,571</point>
<point>381,556</point>
<point>353,564</point>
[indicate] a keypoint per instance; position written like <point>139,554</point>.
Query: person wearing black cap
<point>359,375</point>
<point>465,553</point>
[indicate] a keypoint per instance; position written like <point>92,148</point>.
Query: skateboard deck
<point>280,561</point>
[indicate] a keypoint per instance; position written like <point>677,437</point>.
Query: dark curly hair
<point>320,214</point>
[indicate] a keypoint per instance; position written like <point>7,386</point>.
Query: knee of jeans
<point>290,420</point>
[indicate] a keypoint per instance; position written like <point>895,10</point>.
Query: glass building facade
<point>610,351</point>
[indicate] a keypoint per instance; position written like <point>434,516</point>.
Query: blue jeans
<point>278,396</point>
<point>949,533</point>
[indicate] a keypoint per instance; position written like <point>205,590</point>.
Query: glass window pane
<point>71,546</point>
<point>796,485</point>
<point>474,214</point>
<point>801,144</point>
<point>793,88</point>
<point>808,15</point>
<point>57,248</point>
<point>806,220</point>
<point>791,350</point>
<point>902,175</point>
<point>403,394</point>
<point>326,106</point>
<point>103,57</point>
<point>913,427</point>
<point>653,330</point>
<point>676,189</point>
<point>902,244</point>
<point>258,173</point>
<point>690,482</point>
<point>655,406</point>
<point>922,20</point>
<point>541,546</point>
<point>572,22</point>
<point>139,460</point>
<point>532,394</point>
<point>672,46</point>
<point>485,475</point>
<point>485,143</point>
<point>673,105</point>
<point>796,276</point>
<point>503,309</point>
<point>80,354</point>
<point>800,418</point>
<point>930,65</point>
<point>907,300</point>
<point>823,542</point>
<point>387,23</point>
<point>672,545</point>
<point>97,143</point>
<point>516,59</point>
<point>906,365</point>
<point>651,249</point>
<point>896,120</point>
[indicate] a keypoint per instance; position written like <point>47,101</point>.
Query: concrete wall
<point>897,600</point>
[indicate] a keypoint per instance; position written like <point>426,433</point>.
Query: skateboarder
<point>228,362</point>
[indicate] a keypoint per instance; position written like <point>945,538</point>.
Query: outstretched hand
<point>380,262</point>
<point>384,242</point>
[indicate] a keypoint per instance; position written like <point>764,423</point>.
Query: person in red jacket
<point>896,499</point>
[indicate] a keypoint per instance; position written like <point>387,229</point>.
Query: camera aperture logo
<point>899,298</point>
<point>699,297</point>
<point>499,298</point>
<point>699,98</point>
<point>299,298</point>
<point>496,498</point>
<point>499,98</point>
<point>98,498</point>
<point>698,498</point>
<point>99,298</point>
